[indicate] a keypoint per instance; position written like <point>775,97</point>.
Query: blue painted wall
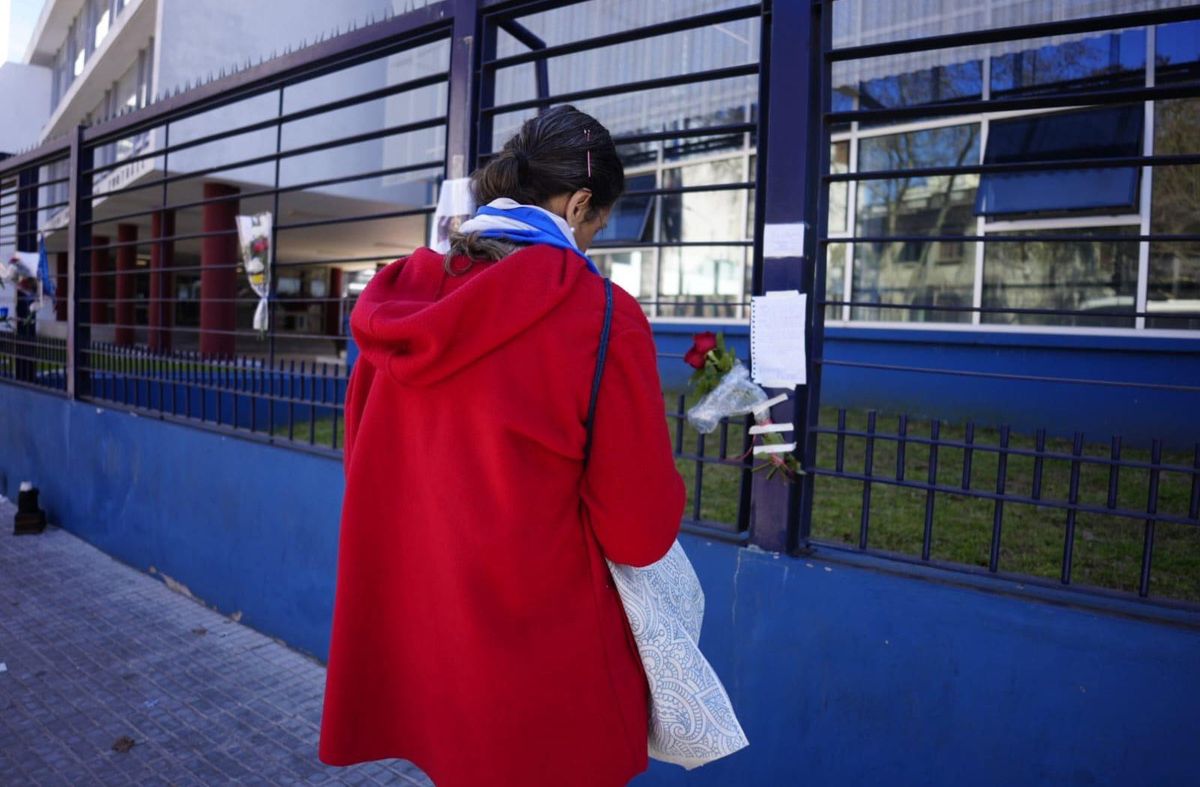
<point>842,675</point>
<point>1136,414</point>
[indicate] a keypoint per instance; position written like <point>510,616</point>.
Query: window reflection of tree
<point>1175,210</point>
<point>932,206</point>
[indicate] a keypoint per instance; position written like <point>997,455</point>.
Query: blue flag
<point>43,270</point>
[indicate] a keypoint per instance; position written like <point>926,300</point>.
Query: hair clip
<point>587,135</point>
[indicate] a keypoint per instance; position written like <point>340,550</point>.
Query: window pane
<point>951,82</point>
<point>1105,61</point>
<point>1173,288</point>
<point>924,274</point>
<point>916,272</point>
<point>1173,291</point>
<point>1076,278</point>
<point>871,21</point>
<point>1093,133</point>
<point>917,79</point>
<point>719,102</point>
<point>631,219</point>
<point>835,279</point>
<point>839,163</point>
<point>705,215</point>
<point>633,271</point>
<point>703,281</point>
<point>1177,53</point>
<point>101,28</point>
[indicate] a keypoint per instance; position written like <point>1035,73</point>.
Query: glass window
<point>704,215</point>
<point>912,271</point>
<point>953,82</point>
<point>102,24</point>
<point>1104,61</point>
<point>839,163</point>
<point>79,37</point>
<point>1092,133</point>
<point>631,219</point>
<point>835,279</point>
<point>1177,52</point>
<point>1091,283</point>
<point>633,271</point>
<point>702,281</point>
<point>1173,287</point>
<point>922,274</point>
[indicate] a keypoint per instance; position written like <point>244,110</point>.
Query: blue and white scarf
<point>509,220</point>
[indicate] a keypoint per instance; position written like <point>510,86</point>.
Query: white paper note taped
<point>783,240</point>
<point>770,428</point>
<point>782,448</point>
<point>763,407</point>
<point>777,339</point>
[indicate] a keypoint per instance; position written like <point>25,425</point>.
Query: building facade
<point>99,59</point>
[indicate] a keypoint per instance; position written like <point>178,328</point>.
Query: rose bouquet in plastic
<point>725,390</point>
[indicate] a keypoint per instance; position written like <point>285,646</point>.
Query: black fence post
<point>78,265</point>
<point>25,363</point>
<point>464,47</point>
<point>793,154</point>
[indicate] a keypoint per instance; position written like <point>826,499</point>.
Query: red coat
<point>476,629</point>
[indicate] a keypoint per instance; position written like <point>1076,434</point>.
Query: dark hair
<point>560,151</point>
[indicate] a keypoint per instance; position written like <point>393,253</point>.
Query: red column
<point>333,310</point>
<point>218,275</point>
<point>99,310</point>
<point>126,264</point>
<point>162,259</point>
<point>60,286</point>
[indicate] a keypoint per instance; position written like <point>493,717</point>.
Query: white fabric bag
<point>692,722</point>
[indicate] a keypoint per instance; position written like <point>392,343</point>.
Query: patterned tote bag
<point>691,718</point>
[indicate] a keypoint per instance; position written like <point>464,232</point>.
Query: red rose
<point>702,344</point>
<point>258,246</point>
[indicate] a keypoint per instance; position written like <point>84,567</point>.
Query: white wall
<point>25,96</point>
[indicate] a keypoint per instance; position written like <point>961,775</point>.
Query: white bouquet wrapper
<point>692,722</point>
<point>254,240</point>
<point>736,394</point>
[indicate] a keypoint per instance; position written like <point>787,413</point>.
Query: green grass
<point>321,432</point>
<point>1107,548</point>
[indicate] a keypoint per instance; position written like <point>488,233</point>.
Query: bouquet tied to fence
<point>725,388</point>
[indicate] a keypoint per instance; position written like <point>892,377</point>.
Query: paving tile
<point>96,650</point>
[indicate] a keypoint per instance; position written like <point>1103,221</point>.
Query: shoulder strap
<point>601,356</point>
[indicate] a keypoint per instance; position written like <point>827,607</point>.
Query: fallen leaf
<point>200,632</point>
<point>123,744</point>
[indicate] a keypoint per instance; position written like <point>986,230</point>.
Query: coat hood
<point>420,325</point>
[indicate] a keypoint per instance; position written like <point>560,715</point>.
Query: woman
<point>476,628</point>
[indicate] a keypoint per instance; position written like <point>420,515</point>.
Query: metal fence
<point>342,143</point>
<point>1082,508</point>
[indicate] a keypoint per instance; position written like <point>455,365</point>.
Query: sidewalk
<point>96,654</point>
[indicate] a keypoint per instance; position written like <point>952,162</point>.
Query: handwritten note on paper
<point>777,339</point>
<point>783,240</point>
